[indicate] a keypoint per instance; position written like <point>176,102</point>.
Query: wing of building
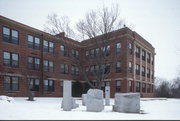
<point>33,60</point>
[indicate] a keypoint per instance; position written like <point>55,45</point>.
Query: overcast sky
<point>158,21</point>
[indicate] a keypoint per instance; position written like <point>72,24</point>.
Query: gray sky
<point>158,21</point>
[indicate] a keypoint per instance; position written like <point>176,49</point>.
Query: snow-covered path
<point>50,108</point>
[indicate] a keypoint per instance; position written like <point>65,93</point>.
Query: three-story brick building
<point>33,60</point>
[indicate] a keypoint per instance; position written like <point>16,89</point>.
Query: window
<point>118,48</point>
<point>144,55</point>
<point>137,52</point>
<point>107,50</point>
<point>74,70</point>
<point>97,52</point>
<point>107,69</point>
<point>152,60</point>
<point>49,85</point>
<point>64,68</point>
<point>137,86</point>
<point>92,53</point>
<point>148,57</point>
<point>118,85</point>
<point>11,83</point>
<point>118,67</point>
<point>10,35</point>
<point>48,46</point>
<point>152,74</point>
<point>48,66</point>
<point>137,69</point>
<point>143,71</point>
<point>10,59</point>
<point>148,73</point>
<point>33,63</point>
<point>130,86</point>
<point>34,84</point>
<point>75,53</point>
<point>33,42</point>
<point>130,67</point>
<point>64,51</point>
<point>143,87</point>
<point>87,53</point>
<point>130,49</point>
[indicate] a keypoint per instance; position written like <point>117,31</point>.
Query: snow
<point>50,109</point>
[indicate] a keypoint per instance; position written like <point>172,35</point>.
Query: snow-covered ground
<point>50,108</point>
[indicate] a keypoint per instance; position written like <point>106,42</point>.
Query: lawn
<point>50,108</point>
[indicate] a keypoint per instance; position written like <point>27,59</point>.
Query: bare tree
<point>175,88</point>
<point>98,22</point>
<point>56,25</point>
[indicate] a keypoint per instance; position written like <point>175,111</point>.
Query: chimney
<point>60,35</point>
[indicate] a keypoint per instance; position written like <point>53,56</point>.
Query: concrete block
<point>127,102</point>
<point>95,101</point>
<point>67,98</point>
<point>84,99</point>
<point>95,93</point>
<point>95,105</point>
<point>107,95</point>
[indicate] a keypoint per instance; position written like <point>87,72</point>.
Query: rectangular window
<point>87,53</point>
<point>130,67</point>
<point>48,46</point>
<point>33,63</point>
<point>148,73</point>
<point>37,43</point>
<point>51,47</point>
<point>148,57</point>
<point>137,69</point>
<point>75,53</point>
<point>64,68</point>
<point>10,35</point>
<point>92,53</point>
<point>118,85</point>
<point>10,59</point>
<point>34,84</point>
<point>33,42</point>
<point>48,66</point>
<point>143,71</point>
<point>118,67</point>
<point>11,83</point>
<point>118,48</point>
<point>74,70</point>
<point>143,87</point>
<point>49,85</point>
<point>152,74</point>
<point>64,51</point>
<point>143,55</point>
<point>137,52</point>
<point>130,49</point>
<point>107,50</point>
<point>97,52</point>
<point>152,60</point>
<point>107,69</point>
<point>130,86</point>
<point>137,86</point>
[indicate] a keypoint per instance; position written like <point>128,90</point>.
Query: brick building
<point>33,60</point>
